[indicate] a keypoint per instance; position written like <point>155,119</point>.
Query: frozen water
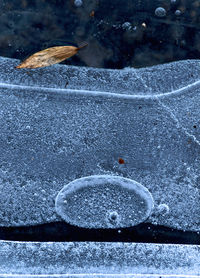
<point>104,202</point>
<point>163,209</point>
<point>160,12</point>
<point>53,133</point>
<point>126,25</point>
<point>98,259</point>
<point>177,12</point>
<point>78,3</point>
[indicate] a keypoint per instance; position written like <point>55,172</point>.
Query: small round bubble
<point>78,3</point>
<point>163,208</point>
<point>177,12</point>
<point>160,12</point>
<point>113,217</point>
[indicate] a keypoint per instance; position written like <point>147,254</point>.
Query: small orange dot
<point>121,161</point>
<point>92,13</point>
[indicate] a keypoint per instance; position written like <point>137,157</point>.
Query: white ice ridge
<point>100,93</point>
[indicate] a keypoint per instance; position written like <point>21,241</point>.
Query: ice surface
<point>63,123</point>
<point>104,201</point>
<point>92,259</point>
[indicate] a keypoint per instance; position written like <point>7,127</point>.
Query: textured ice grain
<point>98,260</point>
<point>104,202</point>
<point>141,124</point>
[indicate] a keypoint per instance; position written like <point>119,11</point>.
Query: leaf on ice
<point>50,56</point>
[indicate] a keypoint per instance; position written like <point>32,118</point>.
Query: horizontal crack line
<point>99,93</point>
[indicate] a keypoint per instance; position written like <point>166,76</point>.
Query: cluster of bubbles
<point>161,12</point>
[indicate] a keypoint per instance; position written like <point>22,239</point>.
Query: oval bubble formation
<point>104,202</point>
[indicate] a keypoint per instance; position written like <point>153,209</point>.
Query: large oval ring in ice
<point>104,201</point>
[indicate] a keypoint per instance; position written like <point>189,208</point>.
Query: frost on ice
<point>98,259</point>
<point>144,126</point>
<point>104,202</point>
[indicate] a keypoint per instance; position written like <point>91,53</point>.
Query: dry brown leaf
<point>49,56</point>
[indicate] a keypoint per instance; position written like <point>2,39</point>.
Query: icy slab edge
<point>100,275</point>
<point>104,259</point>
<point>156,80</point>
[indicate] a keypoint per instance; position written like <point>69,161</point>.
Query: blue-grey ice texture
<point>104,201</point>
<point>98,260</point>
<point>53,133</point>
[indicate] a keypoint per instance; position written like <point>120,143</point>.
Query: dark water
<point>64,232</point>
<point>120,33</point>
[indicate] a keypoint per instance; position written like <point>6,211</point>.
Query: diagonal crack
<point>178,124</point>
<point>170,112</point>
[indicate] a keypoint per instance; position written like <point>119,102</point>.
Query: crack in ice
<point>178,125</point>
<point>157,97</point>
<point>169,111</point>
<point>84,92</point>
